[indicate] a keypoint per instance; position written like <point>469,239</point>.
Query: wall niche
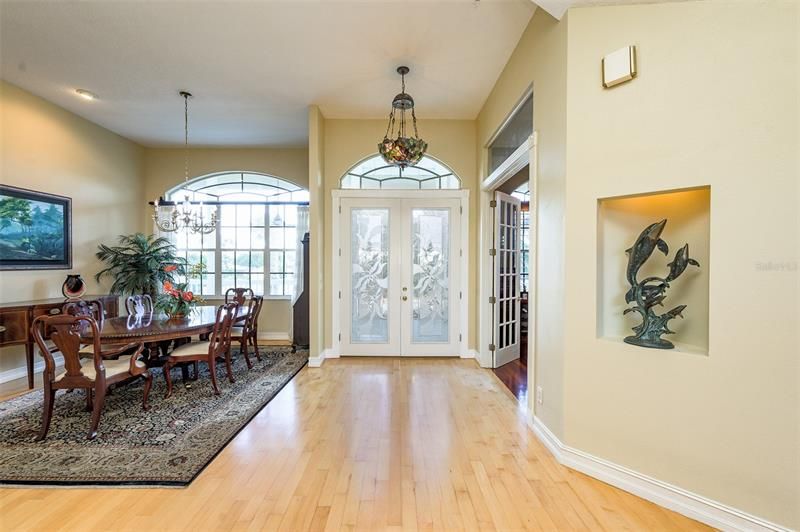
<point>620,221</point>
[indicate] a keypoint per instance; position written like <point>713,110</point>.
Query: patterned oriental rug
<point>169,445</point>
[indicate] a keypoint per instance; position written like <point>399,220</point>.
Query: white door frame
<point>335,253</point>
<point>526,154</point>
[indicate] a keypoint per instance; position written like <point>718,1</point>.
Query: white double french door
<point>399,276</point>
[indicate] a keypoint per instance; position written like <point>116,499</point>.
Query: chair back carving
<point>138,305</point>
<point>65,332</point>
<point>238,295</point>
<point>79,307</point>
<point>220,339</point>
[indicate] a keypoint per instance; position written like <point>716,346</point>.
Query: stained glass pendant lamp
<point>397,148</point>
<point>184,215</point>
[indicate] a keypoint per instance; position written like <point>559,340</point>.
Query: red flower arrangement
<point>176,301</point>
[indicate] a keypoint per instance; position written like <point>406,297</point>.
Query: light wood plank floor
<point>365,444</point>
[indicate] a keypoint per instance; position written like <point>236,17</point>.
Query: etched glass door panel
<point>430,275</point>
<point>369,268</point>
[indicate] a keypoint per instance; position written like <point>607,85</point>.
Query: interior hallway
<point>371,444</point>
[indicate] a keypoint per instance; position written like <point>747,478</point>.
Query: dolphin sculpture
<point>649,292</point>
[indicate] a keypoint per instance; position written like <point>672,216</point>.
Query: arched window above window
<point>237,187</point>
<point>374,173</point>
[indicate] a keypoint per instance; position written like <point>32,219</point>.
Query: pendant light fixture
<point>184,215</point>
<point>397,148</point>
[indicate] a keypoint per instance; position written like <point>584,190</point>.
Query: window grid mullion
<point>267,282</point>
<point>218,254</point>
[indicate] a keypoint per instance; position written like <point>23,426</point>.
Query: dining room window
<point>254,245</point>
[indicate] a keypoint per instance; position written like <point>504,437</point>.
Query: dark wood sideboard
<point>300,312</point>
<point>16,319</point>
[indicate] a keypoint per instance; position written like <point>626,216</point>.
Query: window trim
<point>399,177</point>
<point>282,186</point>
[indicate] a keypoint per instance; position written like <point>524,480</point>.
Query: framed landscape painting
<point>35,230</point>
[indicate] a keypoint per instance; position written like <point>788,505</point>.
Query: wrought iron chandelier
<point>397,148</point>
<point>184,215</point>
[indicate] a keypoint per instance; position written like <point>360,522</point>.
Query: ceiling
<point>254,67</point>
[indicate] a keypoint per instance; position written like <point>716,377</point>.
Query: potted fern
<point>140,264</point>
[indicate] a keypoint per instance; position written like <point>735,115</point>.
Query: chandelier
<point>397,148</point>
<point>183,215</point>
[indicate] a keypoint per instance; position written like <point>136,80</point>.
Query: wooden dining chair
<point>139,305</point>
<point>238,295</point>
<point>215,348</point>
<point>105,369</point>
<point>248,333</point>
<point>93,309</point>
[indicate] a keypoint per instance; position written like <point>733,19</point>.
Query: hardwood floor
<point>367,444</point>
<point>514,376</point>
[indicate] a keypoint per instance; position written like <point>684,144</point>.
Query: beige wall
<point>46,148</point>
<point>539,60</point>
<point>715,102</point>
<point>164,168</point>
<point>346,142</point>
<point>316,223</point>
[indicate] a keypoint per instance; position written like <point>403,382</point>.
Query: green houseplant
<point>140,264</point>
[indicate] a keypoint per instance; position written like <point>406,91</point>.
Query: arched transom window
<point>256,240</point>
<point>374,173</point>
<point>231,187</point>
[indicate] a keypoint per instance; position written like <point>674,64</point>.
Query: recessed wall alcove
<point>620,221</point>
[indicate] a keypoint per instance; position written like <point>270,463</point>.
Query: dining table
<point>158,329</point>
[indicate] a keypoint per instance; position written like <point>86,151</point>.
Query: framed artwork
<point>35,230</point>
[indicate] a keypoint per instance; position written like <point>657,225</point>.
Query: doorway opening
<point>511,355</point>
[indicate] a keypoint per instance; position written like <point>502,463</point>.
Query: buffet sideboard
<point>16,319</point>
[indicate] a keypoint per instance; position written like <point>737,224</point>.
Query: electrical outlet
<point>539,395</point>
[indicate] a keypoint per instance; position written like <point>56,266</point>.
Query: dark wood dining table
<point>154,328</point>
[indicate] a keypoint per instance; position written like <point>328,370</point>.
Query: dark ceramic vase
<point>74,286</point>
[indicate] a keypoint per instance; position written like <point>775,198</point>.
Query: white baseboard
<point>22,372</point>
<point>316,362</point>
<point>690,504</point>
<point>471,353</point>
<point>274,336</point>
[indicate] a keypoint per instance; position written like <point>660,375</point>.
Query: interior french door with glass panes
<point>506,279</point>
<point>399,266</point>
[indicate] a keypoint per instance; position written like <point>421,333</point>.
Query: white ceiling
<point>254,67</point>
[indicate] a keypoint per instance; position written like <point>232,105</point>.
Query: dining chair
<point>139,305</point>
<point>238,295</point>
<point>248,332</point>
<point>105,369</point>
<point>216,347</point>
<point>93,309</point>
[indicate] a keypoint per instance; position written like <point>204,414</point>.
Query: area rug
<point>169,445</point>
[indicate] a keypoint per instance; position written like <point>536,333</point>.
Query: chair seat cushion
<point>113,367</point>
<point>237,332</point>
<point>190,349</point>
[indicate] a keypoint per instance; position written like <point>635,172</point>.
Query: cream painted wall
<point>715,102</point>
<point>539,60</point>
<point>46,148</point>
<point>348,141</point>
<point>316,271</point>
<point>164,168</point>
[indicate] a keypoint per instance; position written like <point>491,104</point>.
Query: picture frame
<point>35,230</point>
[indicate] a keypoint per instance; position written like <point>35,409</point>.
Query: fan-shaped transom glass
<point>374,173</point>
<point>238,187</point>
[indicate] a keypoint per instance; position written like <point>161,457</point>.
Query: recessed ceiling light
<point>86,95</point>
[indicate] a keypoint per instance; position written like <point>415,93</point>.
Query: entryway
<point>400,268</point>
